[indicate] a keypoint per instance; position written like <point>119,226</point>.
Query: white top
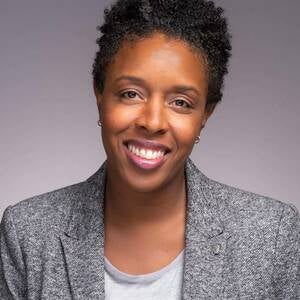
<point>164,284</point>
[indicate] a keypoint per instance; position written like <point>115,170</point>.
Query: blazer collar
<point>206,238</point>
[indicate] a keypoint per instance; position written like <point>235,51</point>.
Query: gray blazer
<point>239,245</point>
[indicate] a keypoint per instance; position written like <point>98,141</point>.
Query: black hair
<point>199,23</point>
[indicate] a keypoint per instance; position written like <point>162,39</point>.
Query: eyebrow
<point>178,88</point>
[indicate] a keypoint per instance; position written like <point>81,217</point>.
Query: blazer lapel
<point>206,239</point>
<point>83,240</point>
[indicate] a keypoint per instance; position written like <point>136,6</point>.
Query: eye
<point>182,103</point>
<point>129,94</point>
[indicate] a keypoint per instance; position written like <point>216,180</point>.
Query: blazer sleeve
<point>287,255</point>
<point>12,268</point>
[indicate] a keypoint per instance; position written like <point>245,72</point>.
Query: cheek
<point>186,130</point>
<point>117,118</point>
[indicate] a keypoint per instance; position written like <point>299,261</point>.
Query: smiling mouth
<point>145,158</point>
<point>145,153</point>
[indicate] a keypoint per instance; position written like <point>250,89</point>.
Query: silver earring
<point>197,139</point>
<point>99,123</point>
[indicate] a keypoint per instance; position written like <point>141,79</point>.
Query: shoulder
<point>260,221</point>
<point>233,202</point>
<point>236,207</point>
<point>44,216</point>
<point>44,213</point>
<point>249,205</point>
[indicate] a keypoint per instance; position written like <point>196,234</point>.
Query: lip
<point>147,144</point>
<point>143,163</point>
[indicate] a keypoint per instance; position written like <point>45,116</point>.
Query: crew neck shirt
<point>164,284</point>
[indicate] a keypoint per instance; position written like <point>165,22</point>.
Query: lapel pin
<point>216,248</point>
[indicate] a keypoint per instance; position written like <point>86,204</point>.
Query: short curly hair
<point>199,23</point>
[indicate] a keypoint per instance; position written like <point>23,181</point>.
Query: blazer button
<point>216,249</point>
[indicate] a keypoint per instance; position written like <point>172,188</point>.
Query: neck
<point>126,208</point>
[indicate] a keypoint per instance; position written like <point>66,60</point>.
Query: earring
<point>197,139</point>
<point>99,123</point>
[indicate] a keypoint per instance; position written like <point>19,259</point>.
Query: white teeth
<point>145,153</point>
<point>149,154</point>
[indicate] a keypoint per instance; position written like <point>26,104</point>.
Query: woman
<point>148,224</point>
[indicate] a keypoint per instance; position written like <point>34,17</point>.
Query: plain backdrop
<point>49,136</point>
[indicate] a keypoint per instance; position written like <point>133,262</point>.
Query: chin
<point>146,185</point>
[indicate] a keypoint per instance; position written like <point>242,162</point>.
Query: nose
<point>153,116</point>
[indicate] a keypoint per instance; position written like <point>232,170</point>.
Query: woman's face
<point>152,109</point>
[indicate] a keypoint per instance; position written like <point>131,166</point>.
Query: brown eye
<point>129,94</point>
<point>182,103</point>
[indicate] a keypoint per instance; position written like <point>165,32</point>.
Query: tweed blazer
<point>239,245</point>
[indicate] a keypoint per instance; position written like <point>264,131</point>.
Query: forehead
<point>159,57</point>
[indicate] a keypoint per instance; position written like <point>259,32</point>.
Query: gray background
<point>48,132</point>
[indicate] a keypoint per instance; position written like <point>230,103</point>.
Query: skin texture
<point>145,210</point>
